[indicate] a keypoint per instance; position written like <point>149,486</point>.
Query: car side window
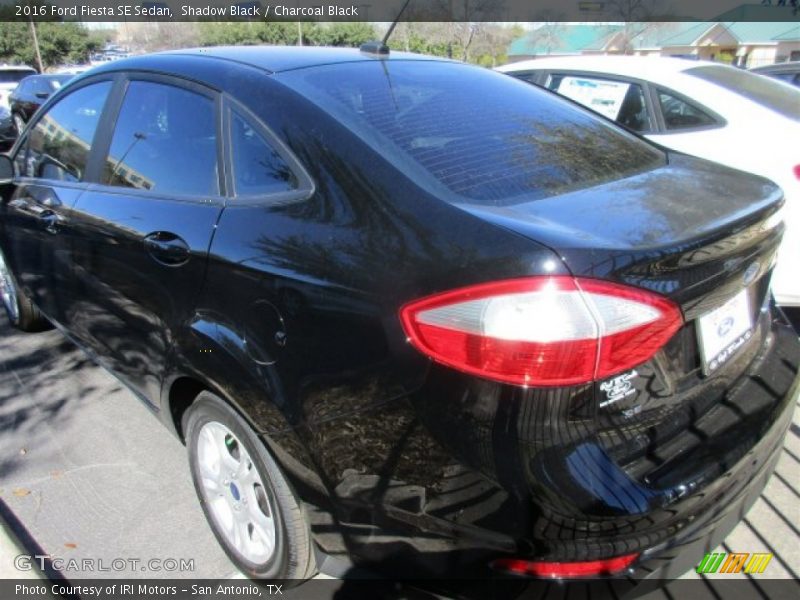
<point>529,76</point>
<point>680,114</point>
<point>58,145</point>
<point>165,140</point>
<point>785,76</point>
<point>622,101</point>
<point>257,166</point>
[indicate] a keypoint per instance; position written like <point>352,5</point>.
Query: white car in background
<point>720,113</point>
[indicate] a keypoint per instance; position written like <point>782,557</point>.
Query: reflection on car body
<point>393,324</point>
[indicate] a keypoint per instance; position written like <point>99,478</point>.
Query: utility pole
<point>299,33</point>
<point>36,46</point>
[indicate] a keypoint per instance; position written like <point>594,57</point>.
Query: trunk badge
<point>618,388</point>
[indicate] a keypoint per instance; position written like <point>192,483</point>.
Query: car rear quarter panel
<point>298,322</point>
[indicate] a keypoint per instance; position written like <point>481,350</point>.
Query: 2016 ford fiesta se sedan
<point>410,311</point>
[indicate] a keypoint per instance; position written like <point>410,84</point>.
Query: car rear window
<point>14,75</point>
<point>478,136</point>
<point>762,90</point>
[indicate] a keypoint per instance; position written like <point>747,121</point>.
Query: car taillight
<point>797,171</point>
<point>542,331</point>
<point>565,570</point>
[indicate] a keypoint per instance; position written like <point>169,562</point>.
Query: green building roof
<point>562,38</point>
<point>565,38</point>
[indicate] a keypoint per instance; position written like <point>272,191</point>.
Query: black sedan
<point>411,311</point>
<point>31,93</point>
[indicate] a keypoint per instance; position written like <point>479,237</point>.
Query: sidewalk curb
<point>10,548</point>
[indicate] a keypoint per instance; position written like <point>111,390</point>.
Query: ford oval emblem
<point>725,327</point>
<point>751,273</point>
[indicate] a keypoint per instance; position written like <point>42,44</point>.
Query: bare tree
<point>153,36</point>
<point>639,18</point>
<point>493,40</point>
<point>637,10</point>
<point>548,35</point>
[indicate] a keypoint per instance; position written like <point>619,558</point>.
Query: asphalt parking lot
<point>87,472</point>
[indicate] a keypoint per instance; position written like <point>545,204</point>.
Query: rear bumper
<point>727,504</point>
<point>440,485</point>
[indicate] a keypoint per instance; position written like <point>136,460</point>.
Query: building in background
<point>745,44</point>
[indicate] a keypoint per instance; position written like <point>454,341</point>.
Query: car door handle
<point>167,248</point>
<point>36,200</point>
<point>51,220</point>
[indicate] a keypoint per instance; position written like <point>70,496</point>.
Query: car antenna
<point>379,47</point>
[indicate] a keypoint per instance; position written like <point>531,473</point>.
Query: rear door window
<point>621,101</point>
<point>258,169</point>
<point>165,140</point>
<point>679,113</point>
<point>58,145</point>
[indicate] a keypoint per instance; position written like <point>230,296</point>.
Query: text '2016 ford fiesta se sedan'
<point>410,310</point>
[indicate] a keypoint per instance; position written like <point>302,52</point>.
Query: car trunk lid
<point>704,236</point>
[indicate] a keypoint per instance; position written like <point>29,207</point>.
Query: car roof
<point>17,68</point>
<point>46,76</point>
<point>272,59</point>
<point>642,67</point>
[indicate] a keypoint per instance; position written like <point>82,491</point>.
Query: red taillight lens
<point>797,171</point>
<point>561,570</point>
<point>542,331</point>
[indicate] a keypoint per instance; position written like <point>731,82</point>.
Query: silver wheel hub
<point>8,290</point>
<point>235,493</point>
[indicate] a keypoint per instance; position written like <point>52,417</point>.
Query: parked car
<point>410,311</point>
<point>701,108</point>
<point>10,76</point>
<point>8,130</point>
<point>31,93</point>
<point>787,71</point>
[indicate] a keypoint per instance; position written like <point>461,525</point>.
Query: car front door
<point>143,230</point>
<point>51,165</point>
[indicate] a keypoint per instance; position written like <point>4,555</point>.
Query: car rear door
<point>51,166</point>
<point>620,99</point>
<point>143,230</point>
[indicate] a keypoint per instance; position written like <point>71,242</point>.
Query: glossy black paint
<point>32,92</point>
<point>287,307</point>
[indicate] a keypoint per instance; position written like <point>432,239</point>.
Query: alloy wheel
<point>235,493</point>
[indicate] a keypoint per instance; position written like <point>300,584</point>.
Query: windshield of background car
<point>14,75</point>
<point>486,137</point>
<point>769,93</point>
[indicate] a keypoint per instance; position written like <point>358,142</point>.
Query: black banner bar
<point>734,588</point>
<point>485,11</point>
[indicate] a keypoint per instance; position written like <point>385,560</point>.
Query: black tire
<point>24,315</point>
<point>293,555</point>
